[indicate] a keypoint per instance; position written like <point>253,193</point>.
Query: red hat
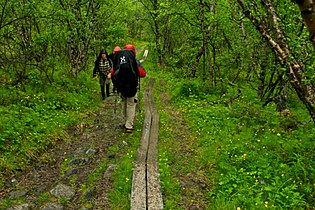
<point>116,49</point>
<point>130,47</point>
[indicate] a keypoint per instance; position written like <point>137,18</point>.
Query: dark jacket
<point>97,62</point>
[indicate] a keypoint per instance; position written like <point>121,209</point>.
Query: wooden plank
<point>155,200</point>
<point>146,188</point>
<point>139,187</point>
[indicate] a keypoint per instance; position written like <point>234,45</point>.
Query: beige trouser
<point>129,110</point>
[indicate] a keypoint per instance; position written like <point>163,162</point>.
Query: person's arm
<point>113,72</point>
<point>141,70</point>
<point>110,62</point>
<point>95,70</point>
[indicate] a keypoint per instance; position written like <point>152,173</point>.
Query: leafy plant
<point>256,157</point>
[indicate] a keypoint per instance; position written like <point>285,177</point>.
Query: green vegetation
<point>120,195</point>
<point>33,120</point>
<point>235,92</point>
<point>254,157</point>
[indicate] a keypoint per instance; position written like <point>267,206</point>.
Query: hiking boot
<point>128,130</point>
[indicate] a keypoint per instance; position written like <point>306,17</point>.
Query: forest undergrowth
<point>34,117</point>
<point>216,150</point>
<point>210,156</point>
<point>246,157</point>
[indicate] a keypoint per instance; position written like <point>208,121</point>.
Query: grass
<point>120,195</point>
<point>122,177</point>
<point>210,157</point>
<point>252,158</point>
<point>35,119</point>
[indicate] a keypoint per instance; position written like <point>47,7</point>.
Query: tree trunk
<point>78,40</point>
<point>214,63</point>
<point>196,62</point>
<point>210,65</point>
<point>202,28</point>
<point>166,37</point>
<point>307,8</point>
<point>201,50</point>
<point>304,89</point>
<point>261,73</point>
<point>157,31</point>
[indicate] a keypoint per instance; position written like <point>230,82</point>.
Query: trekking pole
<point>116,103</point>
<point>144,57</point>
<point>139,105</point>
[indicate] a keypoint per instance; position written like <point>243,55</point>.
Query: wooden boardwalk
<point>146,189</point>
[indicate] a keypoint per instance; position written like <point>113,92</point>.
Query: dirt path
<point>67,169</point>
<point>64,171</point>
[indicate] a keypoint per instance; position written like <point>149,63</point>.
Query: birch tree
<point>294,69</point>
<point>307,8</point>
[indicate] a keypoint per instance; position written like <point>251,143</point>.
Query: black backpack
<point>126,74</point>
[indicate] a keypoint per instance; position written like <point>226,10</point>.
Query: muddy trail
<point>63,172</point>
<point>61,178</point>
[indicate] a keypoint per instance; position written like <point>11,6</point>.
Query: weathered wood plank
<point>146,189</point>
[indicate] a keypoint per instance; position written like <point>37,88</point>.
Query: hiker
<point>111,56</point>
<point>126,73</point>
<point>116,49</point>
<point>102,67</point>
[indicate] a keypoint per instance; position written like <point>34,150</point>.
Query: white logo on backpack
<point>123,59</point>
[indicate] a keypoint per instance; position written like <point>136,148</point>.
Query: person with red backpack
<point>126,74</point>
<point>111,57</point>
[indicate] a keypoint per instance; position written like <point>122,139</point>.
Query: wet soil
<point>71,162</point>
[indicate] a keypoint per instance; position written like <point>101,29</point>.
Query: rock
<point>37,175</point>
<point>53,206</point>
<point>85,151</point>
<point>111,156</point>
<point>20,207</point>
<point>64,191</point>
<point>11,183</point>
<point>17,194</point>
<point>123,144</point>
<point>110,170</point>
<point>79,161</point>
<point>72,171</point>
<point>79,152</point>
<point>89,194</point>
<point>91,151</point>
<point>41,189</point>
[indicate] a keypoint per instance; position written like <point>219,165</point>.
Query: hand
<point>109,76</point>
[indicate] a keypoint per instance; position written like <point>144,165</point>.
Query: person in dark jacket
<point>102,68</point>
